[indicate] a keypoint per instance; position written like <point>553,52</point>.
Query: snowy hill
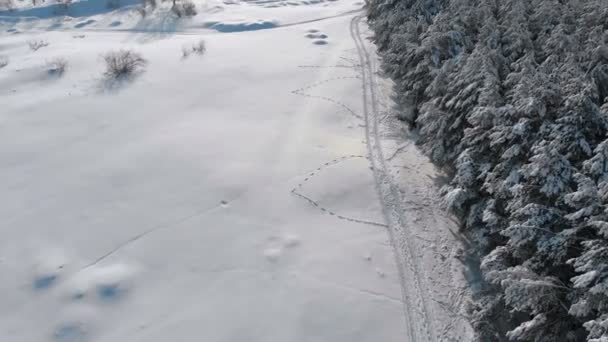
<point>254,190</point>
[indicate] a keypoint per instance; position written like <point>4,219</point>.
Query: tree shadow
<point>83,8</point>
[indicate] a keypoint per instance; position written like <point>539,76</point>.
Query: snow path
<point>239,195</point>
<point>428,316</point>
<point>415,301</point>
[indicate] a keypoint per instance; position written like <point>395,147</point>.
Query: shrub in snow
<point>36,44</point>
<point>123,63</point>
<point>7,5</point>
<point>511,98</point>
<point>149,3</point>
<point>184,8</point>
<point>57,66</point>
<point>198,48</point>
<point>3,61</point>
<point>142,11</point>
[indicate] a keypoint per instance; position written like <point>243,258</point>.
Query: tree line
<point>510,97</point>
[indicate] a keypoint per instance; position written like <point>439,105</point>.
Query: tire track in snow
<point>296,192</point>
<point>417,310</point>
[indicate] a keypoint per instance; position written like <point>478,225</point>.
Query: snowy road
<point>243,195</point>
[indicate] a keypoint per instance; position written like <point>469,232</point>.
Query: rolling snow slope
<point>258,192</point>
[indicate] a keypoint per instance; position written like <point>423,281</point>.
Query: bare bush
<point>149,3</point>
<point>123,63</point>
<point>198,48</point>
<point>185,8</point>
<point>7,5</point>
<point>189,8</point>
<point>36,44</point>
<point>142,11</point>
<point>146,6</point>
<point>3,61</point>
<point>57,66</point>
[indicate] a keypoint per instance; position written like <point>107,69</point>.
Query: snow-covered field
<point>259,192</point>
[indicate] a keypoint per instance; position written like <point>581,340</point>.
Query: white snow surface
<point>259,192</point>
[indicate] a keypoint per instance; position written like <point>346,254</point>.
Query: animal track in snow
<point>302,92</point>
<point>348,63</point>
<point>296,191</point>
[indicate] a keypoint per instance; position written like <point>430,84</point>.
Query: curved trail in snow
<point>417,310</point>
<point>297,191</point>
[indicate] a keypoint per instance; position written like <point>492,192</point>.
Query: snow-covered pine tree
<point>511,98</point>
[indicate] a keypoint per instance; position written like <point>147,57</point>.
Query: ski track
<point>418,314</point>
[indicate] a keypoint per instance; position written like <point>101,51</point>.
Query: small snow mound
<point>85,23</point>
<point>367,257</point>
<point>292,241</point>
<point>70,332</point>
<point>227,27</point>
<point>316,35</point>
<point>272,254</point>
<point>75,324</point>
<point>43,282</point>
<point>48,269</point>
<point>380,273</point>
<point>109,291</point>
<point>108,283</point>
